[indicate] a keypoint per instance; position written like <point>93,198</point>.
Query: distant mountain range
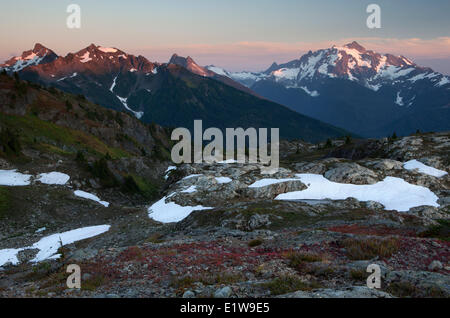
<point>171,94</point>
<point>361,91</point>
<point>368,93</point>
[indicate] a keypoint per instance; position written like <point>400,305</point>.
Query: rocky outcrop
<point>349,292</point>
<point>351,173</point>
<point>273,190</point>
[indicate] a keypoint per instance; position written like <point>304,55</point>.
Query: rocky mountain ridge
<point>38,55</point>
<point>366,92</point>
<point>170,94</point>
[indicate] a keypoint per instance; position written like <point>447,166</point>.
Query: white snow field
<point>393,193</point>
<point>9,255</point>
<point>90,196</point>
<point>53,178</point>
<point>85,58</point>
<point>223,180</point>
<point>48,246</point>
<point>107,49</point>
<point>422,168</point>
<point>14,178</point>
<point>171,212</point>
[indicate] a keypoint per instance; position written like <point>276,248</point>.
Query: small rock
<point>26,255</point>
<point>348,292</point>
<point>224,292</point>
<point>257,221</point>
<point>86,276</point>
<point>373,205</point>
<point>435,265</point>
<point>444,201</point>
<point>4,164</point>
<point>94,184</point>
<point>388,164</point>
<point>435,244</point>
<point>428,212</point>
<point>351,173</point>
<point>188,294</point>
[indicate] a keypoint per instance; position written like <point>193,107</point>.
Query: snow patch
<point>373,87</point>
<point>286,73</point>
<point>444,80</point>
<point>85,58</point>
<point>381,64</point>
<point>308,69</point>
<point>42,229</point>
<point>393,193</point>
<point>107,49</point>
<point>217,70</point>
<point>399,100</point>
<point>310,93</point>
<point>247,76</point>
<point>48,246</point>
<point>111,89</point>
<point>422,168</point>
<point>90,196</point>
<point>31,59</point>
<point>166,174</point>
<point>30,56</point>
<point>9,255</point>
<point>356,56</point>
<point>393,72</point>
<point>53,178</point>
<point>191,189</point>
<point>422,76</point>
<point>170,212</point>
<point>125,104</point>
<point>223,180</point>
<point>14,178</point>
<point>71,76</point>
<point>192,176</point>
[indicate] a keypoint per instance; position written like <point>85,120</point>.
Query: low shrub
<point>255,242</point>
<point>370,248</point>
<point>288,284</point>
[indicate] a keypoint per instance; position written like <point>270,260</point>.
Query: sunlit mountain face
<point>172,94</point>
<point>366,92</point>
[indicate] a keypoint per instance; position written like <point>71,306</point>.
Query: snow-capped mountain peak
<point>350,62</point>
<point>96,53</point>
<point>38,55</point>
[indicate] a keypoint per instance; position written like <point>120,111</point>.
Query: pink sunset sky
<point>233,34</point>
<point>256,56</point>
